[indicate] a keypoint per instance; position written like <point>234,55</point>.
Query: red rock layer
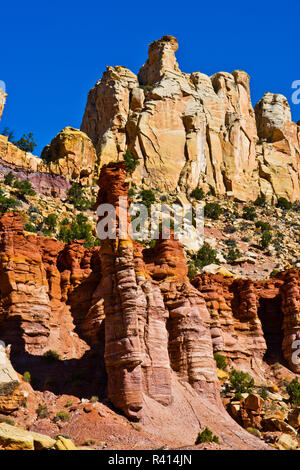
<point>254,320</point>
<point>155,320</point>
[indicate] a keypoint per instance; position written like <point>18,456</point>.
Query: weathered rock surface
<point>252,321</point>
<point>13,438</point>
<point>71,155</point>
<point>128,306</point>
<point>190,129</point>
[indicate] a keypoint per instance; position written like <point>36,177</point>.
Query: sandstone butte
<point>186,130</point>
<point>126,317</point>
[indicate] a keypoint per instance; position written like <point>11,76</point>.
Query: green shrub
<point>233,254</point>
<point>30,228</point>
<point>283,203</point>
<point>293,389</point>
<point>198,194</point>
<point>52,355</point>
<point>206,436</point>
<point>131,193</point>
<point>260,201</point>
<point>206,255</point>
<point>76,197</point>
<point>213,210</point>
<point>42,411</point>
<point>230,242</point>
<point>148,197</point>
<point>9,179</point>
<point>89,442</point>
<point>24,188</point>
<point>26,143</point>
<point>255,432</point>
<point>130,161</point>
<point>27,377</point>
<point>240,381</point>
<point>94,399</point>
<point>63,416</point>
<point>51,221</point>
<point>263,225</point>
<point>264,393</point>
<point>221,361</point>
<point>249,213</point>
<point>266,238</point>
<point>79,229</point>
<point>192,270</point>
<point>7,203</point>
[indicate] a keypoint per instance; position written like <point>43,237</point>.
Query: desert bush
<point>240,381</point>
<point>293,390</point>
<point>233,254</point>
<point>192,270</point>
<point>206,436</point>
<point>76,197</point>
<point>260,201</point>
<point>8,203</point>
<point>9,179</point>
<point>148,197</point>
<point>29,227</point>
<point>24,188</point>
<point>198,194</point>
<point>26,142</point>
<point>63,416</point>
<point>130,161</point>
<point>263,225</point>
<point>94,399</point>
<point>213,210</point>
<point>206,255</point>
<point>283,203</point>
<point>51,221</point>
<point>27,377</point>
<point>249,213</point>
<point>266,238</point>
<point>221,361</point>
<point>42,411</point>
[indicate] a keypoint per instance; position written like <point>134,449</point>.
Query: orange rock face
<point>133,311</point>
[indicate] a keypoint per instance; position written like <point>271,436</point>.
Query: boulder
<point>13,438</point>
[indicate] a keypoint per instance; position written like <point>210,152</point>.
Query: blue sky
<point>53,53</point>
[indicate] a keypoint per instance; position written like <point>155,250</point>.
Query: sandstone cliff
<point>128,318</point>
<point>69,157</point>
<point>190,130</point>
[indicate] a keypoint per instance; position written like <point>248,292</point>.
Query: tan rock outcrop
<point>71,155</point>
<point>279,149</point>
<point>188,130</point>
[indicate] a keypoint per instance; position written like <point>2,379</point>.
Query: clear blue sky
<point>53,52</point>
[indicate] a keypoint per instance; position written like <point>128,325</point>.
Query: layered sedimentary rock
<point>35,282</point>
<point>235,326</point>
<point>251,321</point>
<point>189,130</point>
<point>147,298</point>
<point>69,157</point>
